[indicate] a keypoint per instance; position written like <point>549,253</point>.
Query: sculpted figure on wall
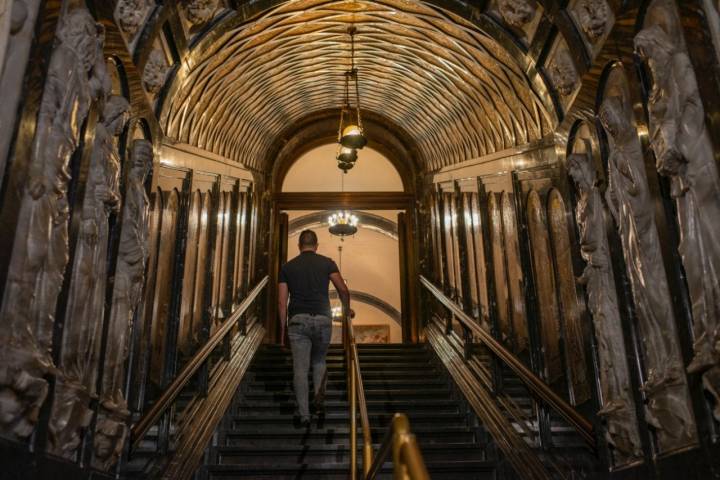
<point>684,154</point>
<point>593,16</point>
<point>86,298</point>
<point>130,15</point>
<point>562,72</point>
<point>517,13</point>
<point>618,408</point>
<point>16,37</point>
<point>668,404</point>
<point>129,281</point>
<point>199,12</point>
<point>76,75</point>
<point>155,70</point>
<point>12,18</point>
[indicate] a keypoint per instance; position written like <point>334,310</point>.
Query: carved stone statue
<point>76,74</point>
<point>593,16</point>
<point>15,41</point>
<point>684,154</point>
<point>129,281</point>
<point>155,71</point>
<point>12,19</point>
<point>199,12</point>
<point>668,404</point>
<point>618,408</point>
<point>517,13</point>
<point>562,72</point>
<point>86,297</point>
<point>130,14</point>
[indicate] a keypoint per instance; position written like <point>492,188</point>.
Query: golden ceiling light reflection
<point>452,88</point>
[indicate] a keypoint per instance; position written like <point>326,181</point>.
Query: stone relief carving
<point>86,298</point>
<point>684,154</point>
<point>562,72</point>
<point>517,13</point>
<point>199,12</point>
<point>129,281</point>
<point>12,18</point>
<point>15,42</point>
<point>593,17</point>
<point>668,405</point>
<point>76,75</point>
<point>130,15</point>
<point>618,408</point>
<point>155,71</point>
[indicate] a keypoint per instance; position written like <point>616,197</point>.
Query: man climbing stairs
<point>259,438</point>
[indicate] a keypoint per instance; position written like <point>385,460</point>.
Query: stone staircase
<point>259,439</point>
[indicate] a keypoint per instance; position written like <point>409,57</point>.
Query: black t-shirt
<point>308,280</point>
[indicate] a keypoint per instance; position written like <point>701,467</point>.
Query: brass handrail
<point>532,381</point>
<point>356,397</point>
<point>139,430</point>
<point>408,463</point>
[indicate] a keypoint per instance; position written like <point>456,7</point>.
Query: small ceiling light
<point>351,136</point>
<point>346,155</point>
<point>343,224</point>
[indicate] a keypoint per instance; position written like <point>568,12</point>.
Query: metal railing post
<point>353,420</point>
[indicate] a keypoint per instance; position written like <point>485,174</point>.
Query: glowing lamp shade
<point>353,137</point>
<point>343,224</point>
<point>346,155</point>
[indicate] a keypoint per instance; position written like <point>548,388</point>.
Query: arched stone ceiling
<point>451,86</point>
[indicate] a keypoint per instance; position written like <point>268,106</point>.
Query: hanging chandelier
<point>342,224</point>
<point>351,136</point>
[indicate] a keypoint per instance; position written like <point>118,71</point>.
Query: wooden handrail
<point>407,458</point>
<point>532,381</point>
<point>139,430</point>
<point>356,393</point>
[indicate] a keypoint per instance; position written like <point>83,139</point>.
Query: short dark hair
<point>308,238</point>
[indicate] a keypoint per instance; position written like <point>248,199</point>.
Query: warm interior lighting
<point>352,137</point>
<point>346,155</point>
<point>343,224</point>
<point>350,132</point>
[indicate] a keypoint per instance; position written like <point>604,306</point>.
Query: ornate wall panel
<point>450,258</point>
<point>454,88</point>
<point>545,287</point>
<point>17,27</point>
<point>455,236</point>
<point>163,283</point>
<point>684,154</point>
<point>85,309</point>
<point>185,342</point>
<point>129,280</point>
<point>480,264</point>
<point>77,77</point>
<point>217,262</point>
<point>616,397</point>
<point>515,274</point>
<point>224,252</point>
<point>570,305</point>
<point>499,263</point>
<point>240,247</point>
<point>629,200</point>
<point>471,254</point>
<point>197,317</point>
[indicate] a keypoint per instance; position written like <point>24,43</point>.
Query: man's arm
<point>282,309</point>
<point>343,293</point>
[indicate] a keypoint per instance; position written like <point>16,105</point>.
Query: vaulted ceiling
<point>451,86</point>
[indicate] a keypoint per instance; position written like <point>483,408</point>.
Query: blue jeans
<point>309,340</point>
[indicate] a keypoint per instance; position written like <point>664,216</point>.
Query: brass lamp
<point>346,155</point>
<point>350,131</point>
<point>352,137</point>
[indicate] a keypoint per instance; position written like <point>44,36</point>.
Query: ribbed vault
<point>450,85</point>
